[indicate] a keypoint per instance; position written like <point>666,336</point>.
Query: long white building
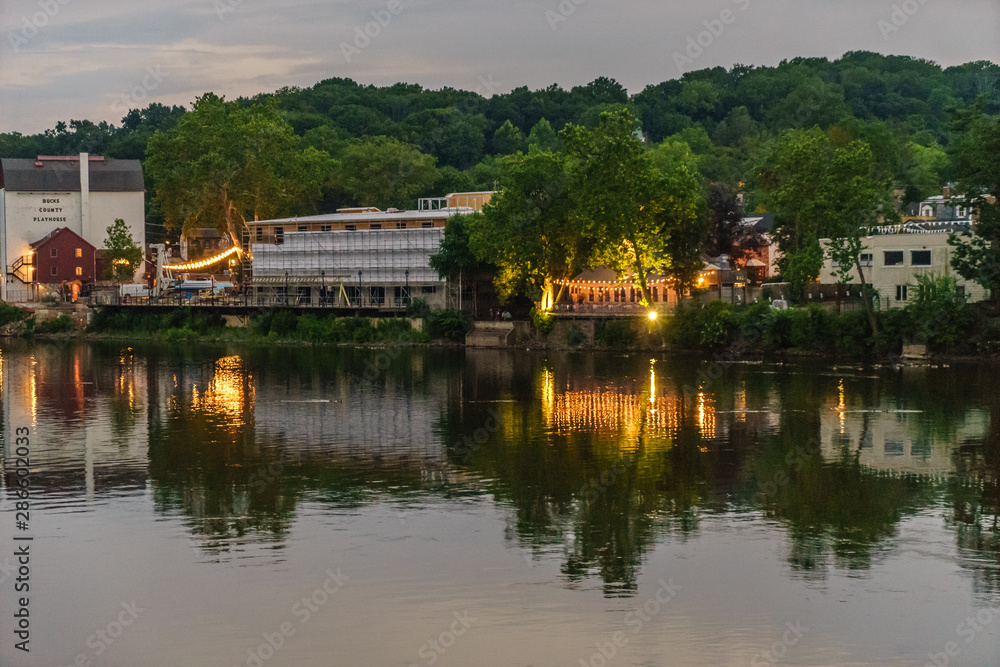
<point>355,258</point>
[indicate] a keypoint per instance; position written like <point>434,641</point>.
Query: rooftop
<point>61,173</point>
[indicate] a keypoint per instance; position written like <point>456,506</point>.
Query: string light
<point>200,264</point>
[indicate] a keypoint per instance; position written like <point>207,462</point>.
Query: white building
<point>355,258</point>
<point>893,258</point>
<point>83,193</point>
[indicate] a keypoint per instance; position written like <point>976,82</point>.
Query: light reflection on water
<point>549,493</point>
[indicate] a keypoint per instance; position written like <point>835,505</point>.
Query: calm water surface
<point>236,506</point>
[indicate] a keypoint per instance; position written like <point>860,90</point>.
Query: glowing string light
<point>202,263</point>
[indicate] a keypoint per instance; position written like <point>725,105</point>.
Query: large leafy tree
<point>530,229</point>
<point>224,164</point>
<point>975,153</point>
<point>791,183</point>
<point>628,207</point>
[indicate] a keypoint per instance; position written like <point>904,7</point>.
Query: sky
<point>96,59</point>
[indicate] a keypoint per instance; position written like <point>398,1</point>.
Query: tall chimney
<point>85,198</point>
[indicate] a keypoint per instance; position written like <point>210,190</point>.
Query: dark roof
<point>762,221</point>
<point>21,175</point>
<point>56,232</point>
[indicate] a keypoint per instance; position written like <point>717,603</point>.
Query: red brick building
<point>63,256</point>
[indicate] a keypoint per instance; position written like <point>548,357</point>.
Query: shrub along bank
<point>283,325</point>
<point>947,327</point>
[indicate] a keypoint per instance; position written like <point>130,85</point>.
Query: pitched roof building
<point>82,193</point>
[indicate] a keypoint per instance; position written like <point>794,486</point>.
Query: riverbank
<point>280,326</point>
<point>717,330</point>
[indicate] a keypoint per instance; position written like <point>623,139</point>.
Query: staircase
<point>489,334</point>
<point>21,268</point>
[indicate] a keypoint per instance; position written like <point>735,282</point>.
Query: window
<point>301,228</point>
<point>920,258</point>
<point>901,292</point>
<point>79,270</point>
<point>960,292</point>
<point>866,259</point>
<point>279,235</point>
<point>350,228</point>
<point>375,225</point>
<point>324,228</point>
<point>427,224</point>
<point>894,446</point>
<point>260,234</point>
<point>55,270</point>
<point>377,295</point>
<point>79,252</point>
<point>892,257</point>
<point>53,252</point>
<point>428,289</point>
<point>400,225</point>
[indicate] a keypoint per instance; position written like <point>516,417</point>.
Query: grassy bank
<point>279,325</point>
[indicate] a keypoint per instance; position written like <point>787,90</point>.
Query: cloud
<point>89,54</point>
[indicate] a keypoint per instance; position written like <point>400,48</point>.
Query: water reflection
<point>596,459</point>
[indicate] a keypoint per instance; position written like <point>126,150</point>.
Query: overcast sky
<point>95,59</point>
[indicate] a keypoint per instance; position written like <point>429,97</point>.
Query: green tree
<point>975,153</point>
<point>855,194</point>
<point>507,140</point>
<point>628,207</point>
<point>543,136</point>
<point>223,164</point>
<point>124,255</point>
<point>455,259</point>
<point>791,184</point>
<point>529,228</point>
<point>384,172</point>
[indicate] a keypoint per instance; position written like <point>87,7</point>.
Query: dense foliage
<point>410,141</point>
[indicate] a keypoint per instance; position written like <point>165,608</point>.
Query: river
<point>251,506</point>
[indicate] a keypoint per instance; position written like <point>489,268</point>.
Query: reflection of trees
<point>609,488</point>
<point>975,508</point>
<point>204,460</point>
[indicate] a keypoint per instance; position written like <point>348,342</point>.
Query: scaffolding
<point>347,269</point>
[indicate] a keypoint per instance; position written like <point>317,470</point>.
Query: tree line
<point>775,134</point>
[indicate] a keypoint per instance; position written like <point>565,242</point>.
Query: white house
<point>83,193</point>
